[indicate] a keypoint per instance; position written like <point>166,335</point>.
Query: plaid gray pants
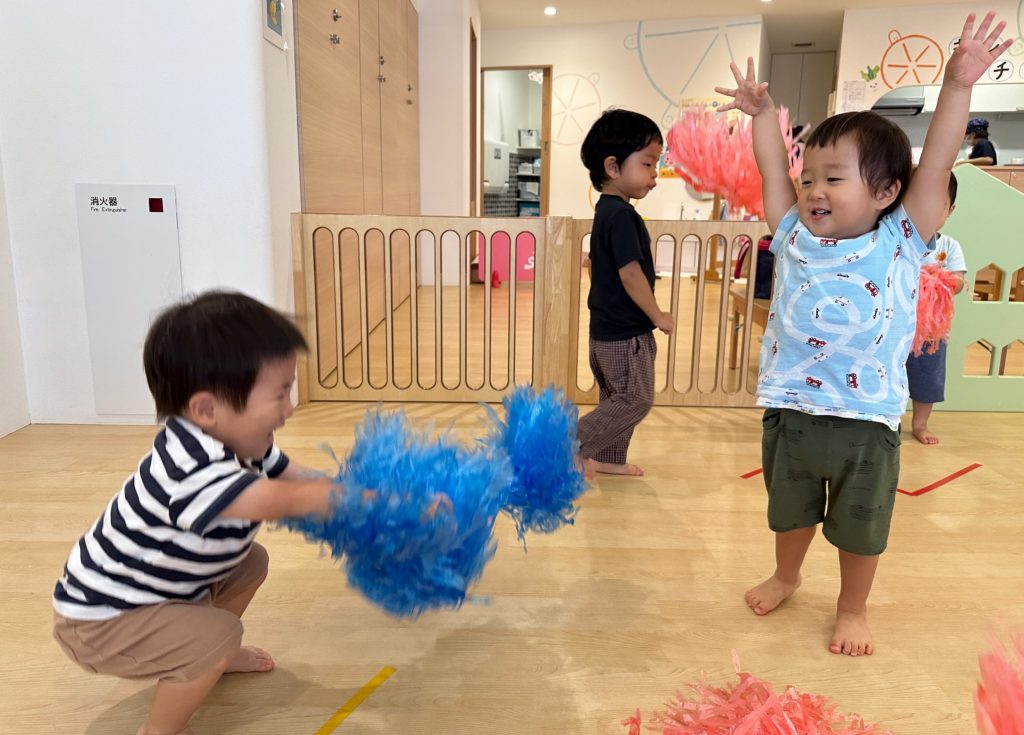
<point>624,372</point>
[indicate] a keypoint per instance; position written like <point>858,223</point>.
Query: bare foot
<point>924,436</point>
<point>583,465</point>
<point>769,594</point>
<point>851,635</point>
<point>250,658</point>
<point>607,468</point>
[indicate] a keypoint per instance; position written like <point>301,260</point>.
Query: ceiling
<point>786,22</point>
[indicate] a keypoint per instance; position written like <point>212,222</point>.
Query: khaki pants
<point>177,641</point>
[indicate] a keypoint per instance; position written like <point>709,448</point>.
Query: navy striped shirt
<point>161,537</point>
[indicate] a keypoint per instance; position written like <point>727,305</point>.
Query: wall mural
<point>670,66</point>
<point>914,56</point>
<point>911,59</point>
<point>575,104</point>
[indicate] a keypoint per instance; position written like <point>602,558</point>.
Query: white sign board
<point>131,267</point>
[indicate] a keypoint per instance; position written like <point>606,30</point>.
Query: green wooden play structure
<point>989,224</point>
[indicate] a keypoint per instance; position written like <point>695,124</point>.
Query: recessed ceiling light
<point>550,10</point>
<point>766,1</point>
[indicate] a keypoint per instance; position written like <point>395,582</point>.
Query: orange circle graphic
<point>912,59</point>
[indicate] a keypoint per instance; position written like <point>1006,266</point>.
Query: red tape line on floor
<point>912,493</point>
<point>940,483</point>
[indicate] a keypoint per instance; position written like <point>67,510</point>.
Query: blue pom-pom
<point>538,434</point>
<point>414,517</point>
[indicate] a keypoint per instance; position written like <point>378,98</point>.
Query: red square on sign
<point>156,204</point>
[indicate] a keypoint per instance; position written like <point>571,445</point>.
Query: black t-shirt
<point>619,237</point>
<point>983,148</point>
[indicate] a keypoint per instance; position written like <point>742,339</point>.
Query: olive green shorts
<point>836,471</point>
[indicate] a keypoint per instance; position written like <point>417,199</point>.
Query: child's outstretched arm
<point>291,496</point>
<point>925,198</point>
<point>769,148</point>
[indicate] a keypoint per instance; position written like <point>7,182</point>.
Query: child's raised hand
<point>749,96</point>
<point>976,53</point>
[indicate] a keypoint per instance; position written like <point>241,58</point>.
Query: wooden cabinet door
<point>370,87</point>
<point>331,127</point>
<point>1017,180</point>
<point>393,97</point>
<point>411,123</point>
<point>358,106</point>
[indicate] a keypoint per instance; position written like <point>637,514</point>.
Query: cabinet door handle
<point>334,38</point>
<point>336,15</point>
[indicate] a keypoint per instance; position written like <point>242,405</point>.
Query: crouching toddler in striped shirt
<point>157,586</point>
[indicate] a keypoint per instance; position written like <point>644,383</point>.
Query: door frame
<point>545,132</point>
<point>475,79</point>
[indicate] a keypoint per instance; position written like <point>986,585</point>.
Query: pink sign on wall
<point>500,257</point>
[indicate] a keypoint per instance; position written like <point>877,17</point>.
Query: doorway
<point>515,141</point>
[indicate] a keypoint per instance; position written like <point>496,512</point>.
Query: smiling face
<point>834,199</point>
<point>636,177</point>
<point>249,433</point>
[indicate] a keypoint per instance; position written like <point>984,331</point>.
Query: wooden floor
<point>614,613</point>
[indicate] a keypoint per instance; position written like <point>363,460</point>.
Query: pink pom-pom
<point>934,307</point>
<point>633,723</point>
<point>751,706</point>
<point>715,155</point>
<point>999,698</point>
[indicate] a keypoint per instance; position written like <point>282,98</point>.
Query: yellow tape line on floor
<point>357,699</point>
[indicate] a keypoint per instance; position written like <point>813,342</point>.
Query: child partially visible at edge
<point>157,587</point>
<point>848,249</point>
<point>926,373</point>
<point>621,153</point>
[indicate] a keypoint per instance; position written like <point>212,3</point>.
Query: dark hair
<point>952,188</point>
<point>882,147</point>
<point>619,133</point>
<point>978,126</point>
<point>217,341</point>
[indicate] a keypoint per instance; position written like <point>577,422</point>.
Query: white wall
<point>282,151</point>
<point>113,91</point>
<point>13,396</point>
<point>445,136</point>
<point>647,66</point>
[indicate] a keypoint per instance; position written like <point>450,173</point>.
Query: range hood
<point>999,101</point>
<point>900,102</point>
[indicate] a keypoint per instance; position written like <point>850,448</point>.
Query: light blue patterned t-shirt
<point>841,321</point>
